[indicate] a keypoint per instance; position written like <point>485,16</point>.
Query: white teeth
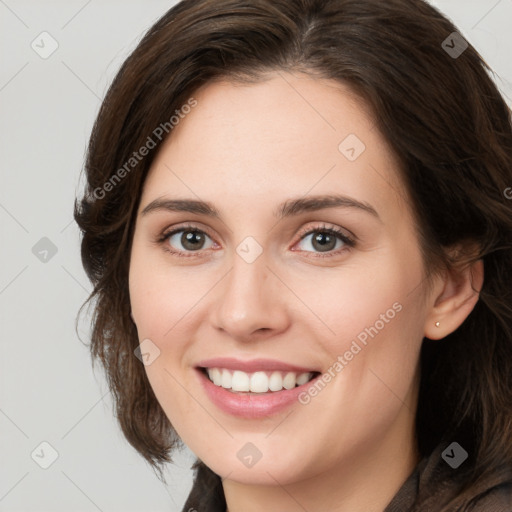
<point>275,383</point>
<point>303,378</point>
<point>226,379</point>
<point>257,382</point>
<point>289,380</point>
<point>240,381</point>
<point>215,375</point>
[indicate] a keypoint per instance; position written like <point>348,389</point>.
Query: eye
<point>329,240</point>
<point>190,238</point>
<point>326,240</point>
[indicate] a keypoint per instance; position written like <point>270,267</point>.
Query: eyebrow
<point>289,208</point>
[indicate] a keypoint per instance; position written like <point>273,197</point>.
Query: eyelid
<point>344,233</point>
<point>191,226</point>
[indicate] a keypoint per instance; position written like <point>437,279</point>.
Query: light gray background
<point>48,391</point>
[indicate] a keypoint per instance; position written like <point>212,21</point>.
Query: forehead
<point>286,135</point>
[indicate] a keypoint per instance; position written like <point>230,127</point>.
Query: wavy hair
<point>443,117</point>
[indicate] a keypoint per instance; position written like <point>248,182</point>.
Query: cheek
<point>376,293</point>
<point>372,317</point>
<point>163,305</point>
<point>161,294</point>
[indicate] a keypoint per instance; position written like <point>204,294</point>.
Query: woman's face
<point>286,158</point>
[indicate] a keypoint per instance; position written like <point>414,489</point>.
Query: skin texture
<point>246,149</point>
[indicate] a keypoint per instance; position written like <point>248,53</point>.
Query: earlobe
<point>457,299</point>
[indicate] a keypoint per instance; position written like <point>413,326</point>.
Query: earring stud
<point>437,324</point>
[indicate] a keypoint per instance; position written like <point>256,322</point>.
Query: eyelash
<point>349,242</point>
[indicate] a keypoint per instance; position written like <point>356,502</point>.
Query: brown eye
<point>325,240</point>
<point>186,240</point>
<point>192,240</point>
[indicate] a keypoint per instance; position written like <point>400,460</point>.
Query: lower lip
<point>251,405</point>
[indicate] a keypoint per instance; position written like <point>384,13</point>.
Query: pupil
<point>191,239</point>
<point>324,240</point>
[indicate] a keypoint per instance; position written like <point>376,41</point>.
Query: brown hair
<point>443,117</point>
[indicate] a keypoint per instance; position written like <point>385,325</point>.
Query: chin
<point>247,464</point>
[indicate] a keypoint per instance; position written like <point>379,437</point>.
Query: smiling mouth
<point>238,381</point>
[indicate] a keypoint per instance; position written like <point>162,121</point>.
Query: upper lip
<point>253,365</point>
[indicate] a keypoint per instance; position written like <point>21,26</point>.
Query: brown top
<point>432,472</point>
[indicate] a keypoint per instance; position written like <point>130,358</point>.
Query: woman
<point>297,226</point>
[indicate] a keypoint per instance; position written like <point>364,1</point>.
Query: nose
<point>251,301</point>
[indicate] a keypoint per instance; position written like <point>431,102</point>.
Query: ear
<point>454,299</point>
